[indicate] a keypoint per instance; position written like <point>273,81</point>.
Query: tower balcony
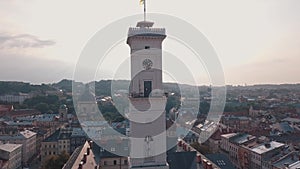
<point>146,31</point>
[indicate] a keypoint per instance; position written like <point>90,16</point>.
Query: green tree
<point>56,161</point>
<point>42,107</point>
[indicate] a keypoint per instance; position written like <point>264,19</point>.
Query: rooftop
<point>23,134</point>
<point>78,132</point>
<point>242,138</point>
<point>292,120</point>
<point>228,135</point>
<point>146,28</point>
<point>182,160</point>
<point>288,159</point>
<point>10,147</point>
<point>295,165</point>
<point>53,137</point>
<point>220,160</point>
<point>267,147</point>
<point>27,133</point>
<point>78,156</point>
<point>42,117</point>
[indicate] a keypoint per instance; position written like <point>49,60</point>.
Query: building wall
<point>48,149</point>
<point>244,157</point>
<point>64,145</point>
<point>13,158</point>
<point>233,153</point>
<point>138,130</point>
<point>224,144</point>
<point>29,148</point>
<point>255,160</point>
<point>14,99</point>
<point>114,163</point>
<point>214,145</point>
<point>28,145</point>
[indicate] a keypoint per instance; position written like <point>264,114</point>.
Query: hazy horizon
<point>47,83</point>
<point>257,41</point>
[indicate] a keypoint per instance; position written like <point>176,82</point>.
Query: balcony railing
<point>140,31</point>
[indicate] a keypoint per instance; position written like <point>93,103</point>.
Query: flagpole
<point>145,10</point>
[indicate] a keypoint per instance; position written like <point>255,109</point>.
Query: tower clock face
<point>147,64</point>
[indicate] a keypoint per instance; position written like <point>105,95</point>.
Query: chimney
<point>286,165</point>
<point>180,143</point>
<point>199,160</point>
<point>80,165</point>
<point>88,151</point>
<point>184,146</point>
<point>209,165</point>
<point>204,163</point>
<point>91,143</point>
<point>267,145</point>
<point>84,157</point>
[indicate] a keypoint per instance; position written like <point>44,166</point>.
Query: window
<point>113,149</point>
<point>125,162</point>
<point>105,163</point>
<point>115,162</point>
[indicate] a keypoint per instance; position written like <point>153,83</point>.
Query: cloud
<point>15,67</point>
<point>22,41</point>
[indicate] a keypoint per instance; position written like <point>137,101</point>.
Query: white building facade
<point>147,100</point>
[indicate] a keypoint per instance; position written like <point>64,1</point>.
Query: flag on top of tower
<point>142,2</point>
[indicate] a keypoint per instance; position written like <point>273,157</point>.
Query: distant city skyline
<point>257,41</point>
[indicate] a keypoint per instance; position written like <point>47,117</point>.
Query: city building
<point>249,152</point>
<point>221,160</point>
<point>260,154</point>
<point>10,156</point>
<point>19,98</point>
<point>50,146</point>
<point>109,160</point>
<point>225,141</point>
<point>27,139</point>
<point>214,141</point>
<point>62,140</point>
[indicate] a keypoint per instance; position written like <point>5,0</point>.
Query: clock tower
<point>147,100</point>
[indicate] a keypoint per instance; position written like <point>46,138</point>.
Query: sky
<point>257,41</point>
